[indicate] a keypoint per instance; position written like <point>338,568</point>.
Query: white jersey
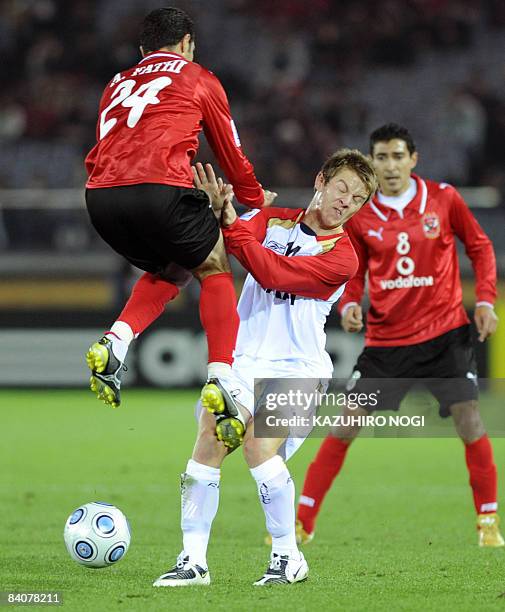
<point>283,308</point>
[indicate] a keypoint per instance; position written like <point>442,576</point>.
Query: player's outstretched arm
<point>223,139</point>
<point>312,276</point>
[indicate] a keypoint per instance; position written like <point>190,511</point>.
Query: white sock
<point>199,503</point>
<point>217,369</point>
<point>277,496</point>
<point>120,335</point>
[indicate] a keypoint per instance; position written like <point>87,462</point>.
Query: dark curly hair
<point>165,27</point>
<point>390,131</point>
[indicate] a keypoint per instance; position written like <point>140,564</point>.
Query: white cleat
<point>284,570</point>
<point>183,573</point>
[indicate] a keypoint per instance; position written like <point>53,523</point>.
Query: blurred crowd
<point>303,78</point>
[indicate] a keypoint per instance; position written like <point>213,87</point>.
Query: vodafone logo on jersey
<point>406,282</point>
<point>405,265</point>
<point>431,225</point>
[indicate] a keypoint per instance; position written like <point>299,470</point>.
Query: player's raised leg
<point>105,358</point>
<point>482,471</point>
<point>276,493</point>
<point>218,314</point>
<point>199,504</point>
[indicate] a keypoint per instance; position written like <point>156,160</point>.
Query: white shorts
<point>246,370</point>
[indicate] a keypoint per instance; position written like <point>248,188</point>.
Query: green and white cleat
<point>230,425</point>
<point>106,370</point>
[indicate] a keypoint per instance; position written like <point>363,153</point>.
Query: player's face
<point>393,164</point>
<point>339,199</point>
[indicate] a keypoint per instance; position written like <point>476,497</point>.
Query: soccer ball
<point>97,534</point>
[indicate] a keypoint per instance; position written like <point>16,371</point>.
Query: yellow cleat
<point>302,537</point>
<point>230,426</point>
<point>488,526</point>
<point>106,370</point>
<point>212,399</point>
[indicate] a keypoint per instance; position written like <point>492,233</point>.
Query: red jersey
<point>413,272</point>
<point>149,120</point>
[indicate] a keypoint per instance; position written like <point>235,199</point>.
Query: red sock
<point>320,475</point>
<point>480,462</point>
<point>218,314</point>
<point>147,301</point>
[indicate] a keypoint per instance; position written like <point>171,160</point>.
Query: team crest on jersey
<point>431,225</point>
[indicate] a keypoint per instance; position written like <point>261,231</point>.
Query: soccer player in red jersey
<point>416,324</point>
<point>140,194</point>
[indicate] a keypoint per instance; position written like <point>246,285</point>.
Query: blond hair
<point>354,160</point>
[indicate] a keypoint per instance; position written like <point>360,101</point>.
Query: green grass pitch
<point>397,531</point>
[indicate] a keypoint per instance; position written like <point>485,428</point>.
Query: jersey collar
<point>149,56</point>
<point>418,201</point>
<point>309,231</point>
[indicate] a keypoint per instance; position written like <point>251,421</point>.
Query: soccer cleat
<point>106,370</point>
<point>302,537</point>
<point>488,526</point>
<point>183,573</point>
<point>230,425</point>
<point>284,570</point>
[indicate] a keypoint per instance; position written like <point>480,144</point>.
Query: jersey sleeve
<point>312,276</point>
<point>353,293</point>
<point>222,136</point>
<point>257,219</point>
<point>478,247</point>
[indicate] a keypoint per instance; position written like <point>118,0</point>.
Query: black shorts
<point>153,225</point>
<point>448,361</point>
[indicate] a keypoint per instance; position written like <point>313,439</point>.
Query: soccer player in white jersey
<point>298,262</point>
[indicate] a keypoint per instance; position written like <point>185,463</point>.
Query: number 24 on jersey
<point>137,101</point>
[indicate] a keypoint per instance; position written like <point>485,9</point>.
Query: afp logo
<point>431,225</point>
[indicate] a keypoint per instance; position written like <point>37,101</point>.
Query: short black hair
<point>390,131</point>
<point>165,27</point>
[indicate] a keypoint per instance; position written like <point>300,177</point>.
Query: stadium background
<point>397,529</point>
<point>303,78</point>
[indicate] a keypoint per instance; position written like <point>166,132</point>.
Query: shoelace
<point>275,563</point>
<point>181,561</point>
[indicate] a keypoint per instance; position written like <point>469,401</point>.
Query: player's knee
<point>208,448</point>
<point>177,275</point>
<point>467,420</point>
<point>257,451</point>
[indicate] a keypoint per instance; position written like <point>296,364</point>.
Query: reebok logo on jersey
<point>276,246</point>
